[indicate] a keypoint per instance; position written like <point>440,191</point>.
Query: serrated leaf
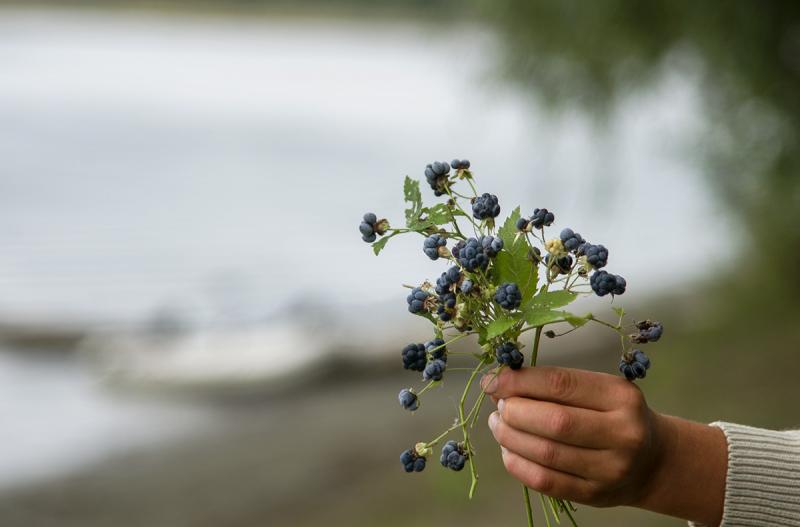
<point>512,264</point>
<point>413,197</point>
<point>439,214</point>
<point>576,321</point>
<point>500,325</point>
<point>378,246</point>
<point>540,317</point>
<point>546,300</point>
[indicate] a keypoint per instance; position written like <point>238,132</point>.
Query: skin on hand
<point>591,438</point>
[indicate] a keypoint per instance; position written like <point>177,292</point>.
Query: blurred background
<point>192,332</point>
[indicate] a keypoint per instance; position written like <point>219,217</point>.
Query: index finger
<point>580,388</point>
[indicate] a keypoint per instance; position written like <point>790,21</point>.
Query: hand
<point>591,438</point>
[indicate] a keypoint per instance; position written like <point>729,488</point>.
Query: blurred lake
<point>209,173</point>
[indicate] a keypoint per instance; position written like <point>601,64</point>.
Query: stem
<point>467,444</point>
<point>544,510</point>
<point>536,339</point>
<point>528,509</point>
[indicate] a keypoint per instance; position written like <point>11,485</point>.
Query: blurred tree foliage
<point>747,55</point>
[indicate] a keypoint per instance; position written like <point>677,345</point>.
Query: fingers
<point>581,462</point>
<point>565,424</point>
<point>546,480</point>
<point>585,389</point>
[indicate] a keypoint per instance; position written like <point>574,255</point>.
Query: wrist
<point>688,476</point>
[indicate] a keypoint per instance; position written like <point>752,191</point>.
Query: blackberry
<point>542,218</point>
<point>460,164</point>
<point>453,456</point>
<point>508,296</point>
<point>408,400</point>
<point>535,255</point>
<point>411,461</point>
<point>368,227</point>
<point>467,287</point>
<point>507,353</point>
<point>434,370</point>
<point>604,283</point>
<point>436,349</point>
<point>563,264</point>
<point>596,255</point>
<point>414,357</point>
<point>436,175</point>
<point>471,254</point>
<point>523,224</point>
<point>491,245</point>
<point>649,331</point>
<point>433,244</point>
<point>571,240</point>
<point>485,207</point>
<point>447,305</point>
<point>447,279</point>
<point>635,365</point>
<point>416,300</point>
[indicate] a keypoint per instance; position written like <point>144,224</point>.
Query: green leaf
<point>540,317</point>
<point>512,264</point>
<point>439,214</point>
<point>576,321</point>
<point>413,196</point>
<point>378,246</point>
<point>550,300</point>
<point>500,325</point>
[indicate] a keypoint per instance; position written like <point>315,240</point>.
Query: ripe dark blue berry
<point>467,286</point>
<point>432,244</point>
<point>416,300</point>
<point>542,218</point>
<point>368,227</point>
<point>436,349</point>
<point>408,400</point>
<point>596,255</point>
<point>436,175</point>
<point>471,254</point>
<point>485,206</point>
<point>448,278</point>
<point>434,370</point>
<point>447,304</point>
<point>460,164</point>
<point>491,245</point>
<point>603,283</point>
<point>508,296</point>
<point>649,331</point>
<point>562,265</point>
<point>507,353</point>
<point>414,357</point>
<point>635,366</point>
<point>571,240</point>
<point>453,456</point>
<point>411,461</point>
<point>523,224</point>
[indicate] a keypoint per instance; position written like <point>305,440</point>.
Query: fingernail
<point>503,450</point>
<point>500,405</point>
<point>494,418</point>
<point>489,383</point>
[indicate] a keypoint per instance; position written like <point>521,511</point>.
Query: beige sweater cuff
<point>762,487</point>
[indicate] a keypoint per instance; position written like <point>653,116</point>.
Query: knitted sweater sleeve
<point>762,487</point>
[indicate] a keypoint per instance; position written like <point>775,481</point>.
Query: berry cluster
<point>649,331</point>
<point>501,281</point>
<point>436,174</point>
<point>411,461</point>
<point>508,354</point>
<point>508,296</point>
<point>634,365</point>
<point>453,456</point>
<point>603,283</point>
<point>434,245</point>
<point>485,207</point>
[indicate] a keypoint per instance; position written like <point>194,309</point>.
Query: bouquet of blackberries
<point>503,281</point>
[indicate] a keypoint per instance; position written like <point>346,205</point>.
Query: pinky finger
<point>548,481</point>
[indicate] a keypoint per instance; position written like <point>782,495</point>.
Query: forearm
<point>689,479</point>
